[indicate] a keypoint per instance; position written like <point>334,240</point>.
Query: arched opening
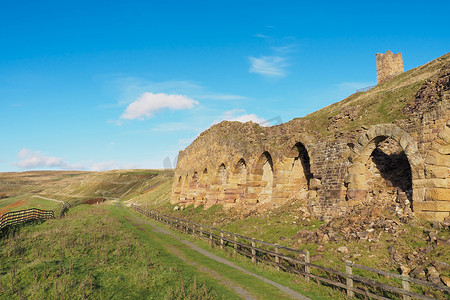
<point>178,189</point>
<point>222,175</point>
<point>301,168</point>
<point>221,182</point>
<point>265,166</point>
<point>238,184</point>
<point>202,188</point>
<point>241,168</point>
<point>385,166</point>
<point>192,193</point>
<point>184,189</point>
<point>389,173</point>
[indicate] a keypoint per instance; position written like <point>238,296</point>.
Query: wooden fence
<point>365,282</point>
<point>365,89</point>
<point>16,217</point>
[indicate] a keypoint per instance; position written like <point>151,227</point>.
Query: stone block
<point>432,171</point>
<point>363,140</point>
<point>282,180</point>
<point>431,215</point>
<point>442,206</point>
<point>445,134</point>
<point>435,158</point>
<point>438,194</point>
<point>441,149</point>
<point>314,184</point>
<point>356,195</point>
<point>431,183</point>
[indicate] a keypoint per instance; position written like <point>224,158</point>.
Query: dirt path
<point>293,294</point>
<point>210,272</point>
<point>36,196</point>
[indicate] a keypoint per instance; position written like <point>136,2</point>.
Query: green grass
<point>308,288</point>
<point>90,254</point>
<point>29,202</point>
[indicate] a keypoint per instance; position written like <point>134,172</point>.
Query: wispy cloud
<point>29,159</point>
<point>275,63</point>
<point>270,66</point>
<point>148,103</point>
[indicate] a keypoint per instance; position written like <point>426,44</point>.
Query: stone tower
<point>388,65</point>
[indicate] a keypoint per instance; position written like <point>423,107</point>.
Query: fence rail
<point>17,217</point>
<point>365,89</point>
<point>298,262</point>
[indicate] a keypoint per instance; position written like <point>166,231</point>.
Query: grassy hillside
<point>381,104</point>
<point>28,189</point>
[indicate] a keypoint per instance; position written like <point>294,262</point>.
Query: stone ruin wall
<point>388,65</point>
<point>247,166</point>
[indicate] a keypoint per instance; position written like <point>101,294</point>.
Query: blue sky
<point>98,85</point>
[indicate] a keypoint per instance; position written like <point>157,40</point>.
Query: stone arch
<point>293,174</point>
<point>367,147</point>
<point>241,172</point>
<point>177,189</point>
<point>235,191</point>
<point>222,174</point>
<point>202,188</point>
<point>192,190</point>
<point>184,189</point>
<point>261,179</point>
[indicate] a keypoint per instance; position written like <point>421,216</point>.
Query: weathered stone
<point>335,170</point>
<point>314,184</point>
<point>435,206</point>
<point>435,158</point>
<point>437,171</point>
<point>405,269</point>
<point>438,194</point>
<point>388,65</point>
<point>343,249</point>
<point>445,280</point>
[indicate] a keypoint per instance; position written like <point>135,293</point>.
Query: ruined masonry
<point>335,164</point>
<point>388,65</point>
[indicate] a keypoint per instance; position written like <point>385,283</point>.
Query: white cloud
<point>148,103</point>
<point>270,66</point>
<point>240,115</point>
<point>34,159</point>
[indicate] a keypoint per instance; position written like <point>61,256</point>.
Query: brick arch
<point>366,144</point>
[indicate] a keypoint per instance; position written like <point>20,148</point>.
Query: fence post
<point>235,245</point>
<point>210,238</point>
<point>405,285</point>
<point>277,258</point>
<point>201,231</point>
<point>307,268</point>
<point>349,271</point>
<point>221,240</point>
<point>253,251</point>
